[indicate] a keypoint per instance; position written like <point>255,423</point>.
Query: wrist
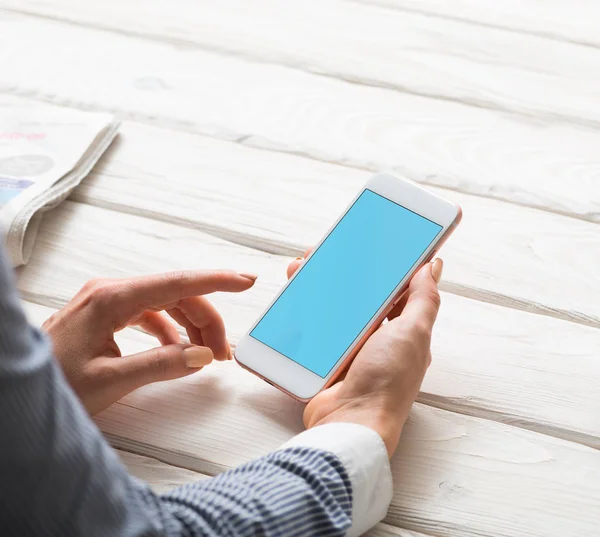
<point>386,423</point>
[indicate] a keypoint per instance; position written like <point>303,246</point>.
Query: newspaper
<point>45,152</point>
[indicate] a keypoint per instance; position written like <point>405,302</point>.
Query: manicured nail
<point>299,259</point>
<point>197,356</point>
<point>437,268</point>
<point>252,277</point>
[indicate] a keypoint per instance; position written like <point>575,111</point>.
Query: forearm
<point>331,480</point>
<point>60,477</point>
<point>297,492</point>
<point>70,483</point>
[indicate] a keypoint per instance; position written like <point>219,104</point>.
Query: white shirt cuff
<point>365,459</point>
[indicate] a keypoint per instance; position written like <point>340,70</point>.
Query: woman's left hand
<point>83,331</point>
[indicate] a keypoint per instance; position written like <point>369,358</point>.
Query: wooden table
<point>248,125</point>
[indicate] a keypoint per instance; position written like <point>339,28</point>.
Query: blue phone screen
<point>345,282</point>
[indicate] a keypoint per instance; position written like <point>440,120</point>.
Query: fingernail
<point>197,356</point>
<point>252,277</point>
<point>299,259</point>
<point>437,268</point>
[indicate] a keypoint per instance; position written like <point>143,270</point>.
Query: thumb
<point>161,363</point>
<point>423,302</point>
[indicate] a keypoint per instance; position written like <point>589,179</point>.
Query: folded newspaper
<point>45,152</point>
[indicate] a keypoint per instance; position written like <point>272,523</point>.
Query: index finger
<point>162,290</point>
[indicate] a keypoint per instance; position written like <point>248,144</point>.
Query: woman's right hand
<point>83,331</point>
<point>384,379</point>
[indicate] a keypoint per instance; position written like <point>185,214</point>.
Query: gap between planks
<point>574,22</point>
<point>251,141</point>
<point>244,55</point>
<point>476,151</point>
<point>514,367</point>
<point>163,477</point>
<point>452,472</point>
<point>549,79</point>
<point>502,254</point>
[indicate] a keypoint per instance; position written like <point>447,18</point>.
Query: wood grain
<point>575,21</point>
<point>452,473</point>
<point>484,110</point>
<point>160,476</point>
<point>163,477</point>
<point>386,530</point>
<point>408,52</point>
<point>533,371</point>
<point>456,476</point>
<point>436,142</point>
<point>501,253</point>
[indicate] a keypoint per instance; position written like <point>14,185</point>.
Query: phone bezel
<point>296,380</point>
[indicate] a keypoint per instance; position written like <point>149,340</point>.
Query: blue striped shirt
<point>59,477</point>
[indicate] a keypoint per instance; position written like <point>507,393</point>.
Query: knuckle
<point>102,296</point>
<point>98,291</point>
<point>422,330</point>
<point>158,362</point>
<point>412,339</point>
<point>50,322</point>
<point>155,280</point>
<point>175,281</point>
<point>422,327</point>
<point>93,284</point>
<point>174,277</point>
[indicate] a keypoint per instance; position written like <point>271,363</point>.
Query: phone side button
<point>397,299</point>
<point>431,256</point>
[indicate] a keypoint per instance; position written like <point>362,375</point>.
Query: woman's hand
<point>83,331</point>
<point>384,379</point>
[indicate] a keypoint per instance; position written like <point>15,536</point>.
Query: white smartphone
<point>347,286</point>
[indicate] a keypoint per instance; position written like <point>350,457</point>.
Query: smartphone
<point>347,286</point>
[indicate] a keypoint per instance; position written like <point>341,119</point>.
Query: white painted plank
<point>386,530</point>
<point>409,52</point>
<point>163,477</point>
<point>431,141</point>
<point>160,476</point>
<point>454,475</point>
<point>512,366</point>
<point>501,253</point>
<point>575,21</point>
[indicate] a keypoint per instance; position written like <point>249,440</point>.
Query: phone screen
<point>345,282</point>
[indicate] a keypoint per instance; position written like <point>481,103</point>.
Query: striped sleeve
<point>60,477</point>
<point>296,492</point>
<point>365,459</point>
